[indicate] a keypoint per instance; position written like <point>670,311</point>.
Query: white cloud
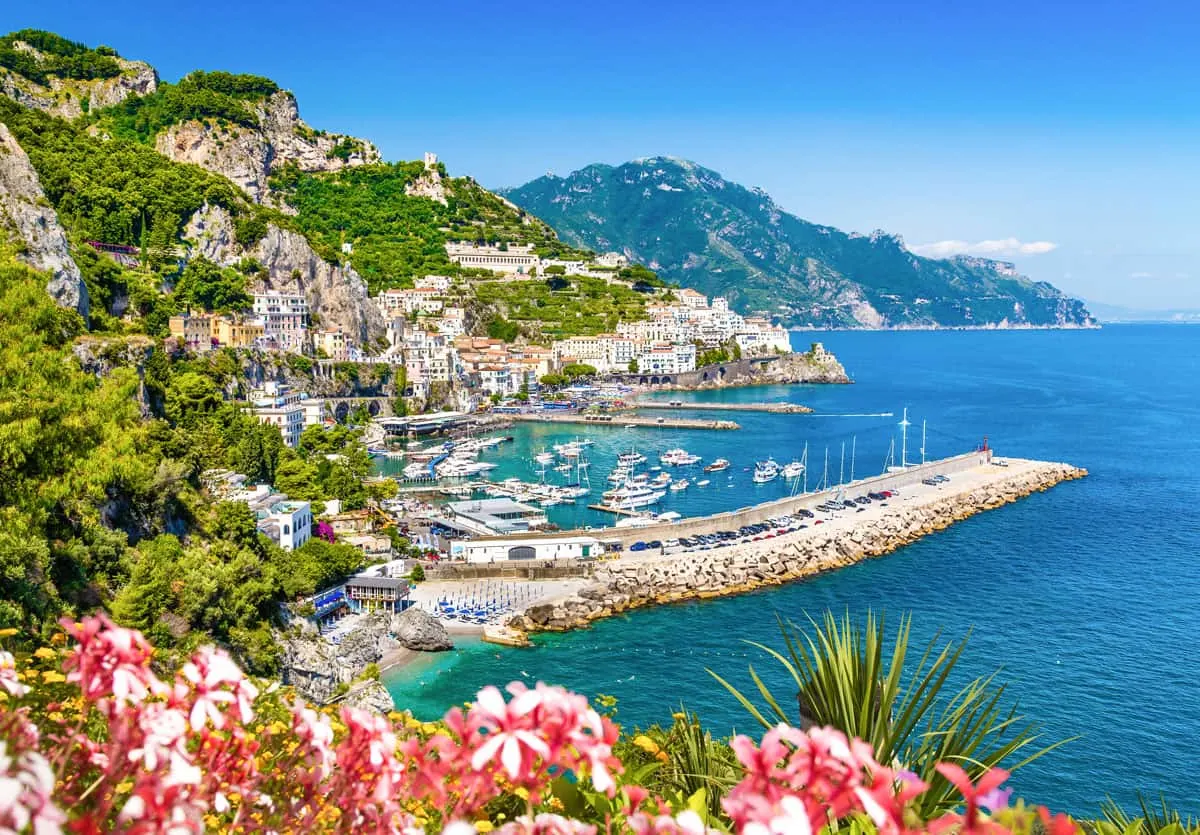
<point>1002,247</point>
<point>1141,275</point>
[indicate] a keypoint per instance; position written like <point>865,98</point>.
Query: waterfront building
<point>288,418</point>
<point>502,549</point>
<point>288,523</point>
<point>497,516</point>
<point>666,358</point>
<point>285,318</point>
<point>368,593</point>
<point>506,258</point>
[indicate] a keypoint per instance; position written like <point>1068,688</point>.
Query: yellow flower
<point>484,826</point>
<point>678,717</point>
<point>521,792</point>
<point>646,744</point>
<point>44,652</point>
<point>53,677</point>
<point>124,786</point>
<point>6,633</point>
<point>55,716</point>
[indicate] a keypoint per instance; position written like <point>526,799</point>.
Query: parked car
<point>638,546</point>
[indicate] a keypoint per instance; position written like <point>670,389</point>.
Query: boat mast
<point>904,424</point>
<point>922,441</point>
<point>804,461</point>
<point>842,466</point>
<point>825,475</point>
<point>853,445</point>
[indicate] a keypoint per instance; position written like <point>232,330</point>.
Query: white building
<point>501,549</point>
<point>394,302</point>
<point>667,358</point>
<point>612,259</point>
<point>506,258</point>
<point>285,318</point>
<point>289,419</point>
<point>289,523</point>
<point>441,283</point>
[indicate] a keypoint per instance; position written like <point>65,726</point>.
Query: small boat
<point>765,471</point>
<point>716,466</point>
<point>703,483</point>
<point>544,457</point>
<point>679,458</point>
<point>792,470</point>
<point>631,426</point>
<point>682,484</point>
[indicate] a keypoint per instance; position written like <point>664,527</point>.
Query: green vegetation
<point>101,505</point>
<point>584,306</point>
<point>844,679</point>
<point>205,286</point>
<point>61,58</point>
<point>394,236</point>
<point>220,97</point>
<point>730,351</point>
<point>121,192</point>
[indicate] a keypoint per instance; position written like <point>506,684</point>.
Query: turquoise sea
<point>1087,595</point>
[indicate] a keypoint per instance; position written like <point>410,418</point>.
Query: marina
<point>627,421</point>
<point>692,406</point>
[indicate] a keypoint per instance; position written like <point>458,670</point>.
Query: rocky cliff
<point>66,97</point>
<point>336,294</point>
<point>246,155</point>
<point>28,220</point>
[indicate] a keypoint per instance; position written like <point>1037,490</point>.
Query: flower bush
<point>93,740</point>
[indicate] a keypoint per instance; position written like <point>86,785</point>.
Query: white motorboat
<point>682,484</point>
<point>792,470</point>
<point>679,458</point>
<point>765,471</point>
<point>633,496</point>
<point>703,483</point>
<point>631,458</point>
<point>717,465</point>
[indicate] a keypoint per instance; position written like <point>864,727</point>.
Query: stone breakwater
<point>629,583</point>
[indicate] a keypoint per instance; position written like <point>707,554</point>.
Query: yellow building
<point>234,332</point>
<point>331,343</point>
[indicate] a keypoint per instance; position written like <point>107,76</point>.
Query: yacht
<point>682,484</point>
<point>631,458</point>
<point>765,471</point>
<point>717,466</point>
<point>661,480</point>
<point>544,457</point>
<point>679,458</point>
<point>792,470</point>
<point>633,496</point>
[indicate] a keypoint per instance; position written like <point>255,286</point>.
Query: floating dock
<point>617,511</point>
<point>628,420</point>
<point>773,408</point>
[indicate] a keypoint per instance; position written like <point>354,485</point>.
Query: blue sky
<point>1065,134</point>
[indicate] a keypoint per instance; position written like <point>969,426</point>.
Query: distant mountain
<point>696,228</point>
<point>1118,314</point>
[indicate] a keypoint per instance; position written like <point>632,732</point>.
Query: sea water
<point>1087,595</point>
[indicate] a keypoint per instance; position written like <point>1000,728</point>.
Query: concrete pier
<point>621,420</point>
<point>773,408</point>
<point>831,539</point>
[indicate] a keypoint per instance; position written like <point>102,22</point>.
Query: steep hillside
<point>695,227</point>
<point>218,165</point>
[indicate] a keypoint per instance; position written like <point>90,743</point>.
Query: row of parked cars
<point>772,527</point>
<point>720,539</point>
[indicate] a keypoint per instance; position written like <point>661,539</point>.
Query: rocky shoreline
<point>631,583</point>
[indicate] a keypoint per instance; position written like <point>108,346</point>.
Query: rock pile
<point>627,584</point>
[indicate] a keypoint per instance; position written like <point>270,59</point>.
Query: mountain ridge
<point>728,239</point>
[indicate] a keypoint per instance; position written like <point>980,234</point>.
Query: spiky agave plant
<point>845,678</point>
<point>1160,820</point>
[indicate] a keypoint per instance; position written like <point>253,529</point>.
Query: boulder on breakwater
<point>418,630</point>
<point>626,584</point>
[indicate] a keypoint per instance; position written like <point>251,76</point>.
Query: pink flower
<point>8,676</point>
<point>508,732</point>
<point>970,821</point>
<point>164,732</point>
<point>546,824</point>
<point>685,823</point>
<point>25,794</point>
<point>111,660</point>
<point>216,682</point>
